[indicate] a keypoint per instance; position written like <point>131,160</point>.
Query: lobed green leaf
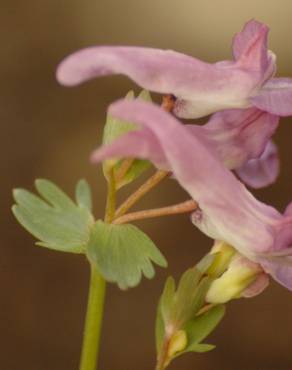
<point>122,253</point>
<point>83,195</point>
<point>56,222</point>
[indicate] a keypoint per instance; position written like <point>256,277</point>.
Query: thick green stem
<point>95,305</point>
<point>93,321</point>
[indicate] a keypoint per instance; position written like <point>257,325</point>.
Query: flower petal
<point>257,287</point>
<point>245,223</point>
<point>250,48</point>
<point>262,171</point>
<point>141,144</point>
<point>239,135</point>
<point>275,97</point>
<point>201,88</point>
<point>280,268</point>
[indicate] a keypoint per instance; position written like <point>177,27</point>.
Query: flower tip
<point>65,76</point>
<point>254,24</point>
<point>75,68</point>
<point>15,193</point>
<point>96,156</point>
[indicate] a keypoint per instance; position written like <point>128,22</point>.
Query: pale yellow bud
<point>177,343</point>
<point>239,275</point>
<point>224,253</point>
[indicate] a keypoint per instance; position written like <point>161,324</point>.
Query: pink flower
<point>200,88</point>
<point>227,211</point>
<point>242,141</point>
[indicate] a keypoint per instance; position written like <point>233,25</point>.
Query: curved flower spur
<point>200,88</point>
<point>227,211</point>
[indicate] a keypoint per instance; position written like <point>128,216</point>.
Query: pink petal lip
<point>262,171</point>
<point>275,97</point>
<point>239,135</point>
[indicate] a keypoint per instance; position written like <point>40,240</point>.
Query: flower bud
<point>224,253</point>
<point>243,278</point>
<point>177,343</point>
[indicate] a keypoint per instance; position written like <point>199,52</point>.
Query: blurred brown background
<point>49,131</point>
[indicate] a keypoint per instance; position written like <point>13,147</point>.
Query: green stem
<point>95,305</point>
<point>162,357</point>
<point>111,199</point>
<point>93,321</point>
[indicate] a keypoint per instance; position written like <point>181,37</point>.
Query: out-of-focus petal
<point>262,171</point>
<point>275,97</point>
<point>288,210</point>
<point>241,223</point>
<point>140,143</point>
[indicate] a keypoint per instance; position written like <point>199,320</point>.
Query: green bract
<point>200,327</point>
<point>122,253</point>
<point>179,314</point>
<point>115,128</point>
<point>56,221</point>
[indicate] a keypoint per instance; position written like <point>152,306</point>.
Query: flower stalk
<point>140,192</point>
<point>124,168</point>
<point>185,207</point>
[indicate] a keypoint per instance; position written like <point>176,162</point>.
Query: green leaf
<point>114,128</point>
<point>177,307</point>
<point>200,348</point>
<point>122,253</point>
<point>145,95</point>
<point>137,168</point>
<point>57,221</point>
<point>204,264</point>
<point>167,299</point>
<point>189,297</point>
<point>159,328</point>
<point>83,194</point>
<point>200,327</point>
<point>177,325</point>
<point>164,310</point>
<point>186,295</point>
<point>53,195</point>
